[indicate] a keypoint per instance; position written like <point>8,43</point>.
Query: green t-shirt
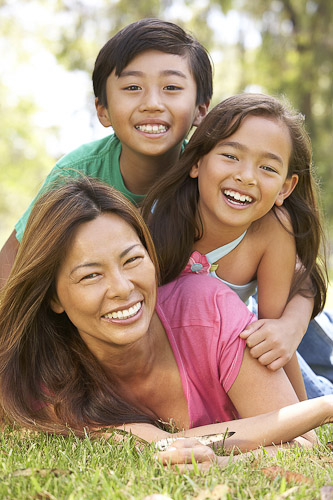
<point>98,159</point>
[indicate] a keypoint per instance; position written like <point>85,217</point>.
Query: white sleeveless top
<point>243,291</point>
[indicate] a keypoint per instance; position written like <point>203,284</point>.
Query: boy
<point>152,83</point>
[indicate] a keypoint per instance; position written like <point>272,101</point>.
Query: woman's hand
<point>185,451</point>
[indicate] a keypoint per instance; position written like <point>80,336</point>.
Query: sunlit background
<point>48,49</point>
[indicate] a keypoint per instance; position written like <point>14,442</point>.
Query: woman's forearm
<point>276,427</point>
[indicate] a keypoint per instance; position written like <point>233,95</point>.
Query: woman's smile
<point>131,312</point>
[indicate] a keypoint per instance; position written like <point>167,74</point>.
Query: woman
<point>83,345</point>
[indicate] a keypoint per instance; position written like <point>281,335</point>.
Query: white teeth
<point>237,196</point>
<point>124,313</point>
<point>152,129</point>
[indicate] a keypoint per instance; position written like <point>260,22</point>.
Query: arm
<point>7,257</point>
<point>274,343</point>
<point>255,390</point>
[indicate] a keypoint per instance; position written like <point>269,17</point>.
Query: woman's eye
<point>90,276</point>
<point>137,258</point>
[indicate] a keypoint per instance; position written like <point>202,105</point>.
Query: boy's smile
<point>152,106</point>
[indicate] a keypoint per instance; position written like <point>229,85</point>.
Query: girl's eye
<point>268,168</point>
<point>229,156</point>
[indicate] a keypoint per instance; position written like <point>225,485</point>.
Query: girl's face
<point>106,284</point>
<point>244,175</point>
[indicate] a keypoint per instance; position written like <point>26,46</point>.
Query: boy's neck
<point>139,172</point>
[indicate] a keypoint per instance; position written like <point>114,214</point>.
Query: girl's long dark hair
<point>171,206</point>
<point>48,377</point>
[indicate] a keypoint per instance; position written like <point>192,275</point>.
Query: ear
<point>287,188</point>
<point>194,172</point>
<point>103,114</point>
<point>202,110</point>
<point>56,305</point>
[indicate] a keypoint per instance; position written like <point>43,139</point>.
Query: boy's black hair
<point>155,34</point>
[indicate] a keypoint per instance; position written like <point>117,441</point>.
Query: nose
<point>152,101</point>
<point>246,174</point>
<point>120,286</point>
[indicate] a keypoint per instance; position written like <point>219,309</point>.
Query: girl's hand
<point>271,341</point>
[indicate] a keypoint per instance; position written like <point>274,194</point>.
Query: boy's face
<point>152,104</point>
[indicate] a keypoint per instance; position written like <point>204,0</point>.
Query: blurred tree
<point>295,59</point>
<point>24,160</point>
<point>292,56</point>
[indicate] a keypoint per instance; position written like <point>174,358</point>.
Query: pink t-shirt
<point>203,319</point>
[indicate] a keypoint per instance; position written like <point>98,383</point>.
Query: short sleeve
<point>234,317</point>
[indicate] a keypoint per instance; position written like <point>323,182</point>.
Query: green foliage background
<point>294,57</point>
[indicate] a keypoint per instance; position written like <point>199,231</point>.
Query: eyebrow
<point>166,72</point>
<point>94,264</point>
<point>241,147</point>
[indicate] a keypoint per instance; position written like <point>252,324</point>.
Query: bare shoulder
<point>273,224</point>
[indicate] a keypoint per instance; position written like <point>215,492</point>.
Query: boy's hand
<point>271,341</point>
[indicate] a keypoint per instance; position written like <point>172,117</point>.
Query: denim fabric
<point>315,353</point>
<point>316,347</point>
<point>315,385</point>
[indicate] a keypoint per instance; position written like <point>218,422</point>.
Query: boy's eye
<point>172,87</point>
<point>132,87</point>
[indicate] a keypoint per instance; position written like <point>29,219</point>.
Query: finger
<point>251,328</point>
<point>277,364</point>
<point>189,467</point>
<point>186,442</point>
<point>220,461</point>
<point>260,350</point>
<point>256,338</point>
<point>267,358</point>
<point>200,454</point>
<point>263,352</point>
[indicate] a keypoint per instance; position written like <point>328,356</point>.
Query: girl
<point>242,196</point>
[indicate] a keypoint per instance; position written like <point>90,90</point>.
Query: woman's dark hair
<point>152,34</point>
<point>171,205</point>
<point>47,374</point>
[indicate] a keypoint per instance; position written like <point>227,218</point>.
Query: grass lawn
<point>55,467</point>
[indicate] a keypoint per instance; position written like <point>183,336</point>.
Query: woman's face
<point>106,283</point>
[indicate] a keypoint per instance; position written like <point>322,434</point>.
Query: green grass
<point>55,467</point>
